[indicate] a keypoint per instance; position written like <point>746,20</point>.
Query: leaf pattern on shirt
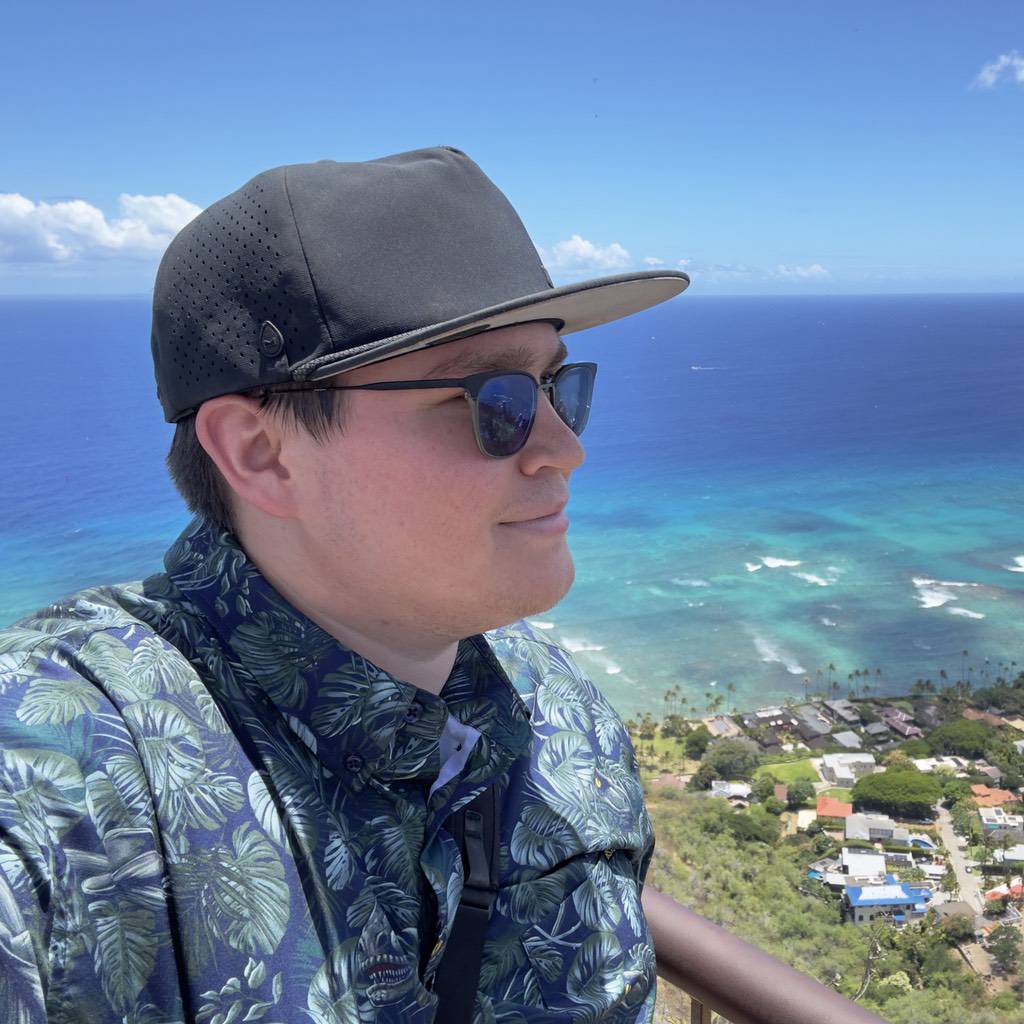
<point>208,803</point>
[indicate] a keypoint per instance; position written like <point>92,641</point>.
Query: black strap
<point>476,829</point>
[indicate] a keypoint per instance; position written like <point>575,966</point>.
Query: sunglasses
<point>503,402</point>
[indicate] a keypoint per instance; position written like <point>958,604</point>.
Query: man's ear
<point>246,446</point>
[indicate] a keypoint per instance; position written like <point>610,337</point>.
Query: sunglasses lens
<point>574,388</point>
<point>506,409</point>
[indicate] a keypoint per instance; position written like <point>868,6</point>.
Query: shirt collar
<point>358,720</point>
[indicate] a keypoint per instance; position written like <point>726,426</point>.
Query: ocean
<point>772,486</point>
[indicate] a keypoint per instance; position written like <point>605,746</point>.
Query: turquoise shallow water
<point>876,442</point>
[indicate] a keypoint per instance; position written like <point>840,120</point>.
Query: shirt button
<point>353,763</point>
<point>413,712</point>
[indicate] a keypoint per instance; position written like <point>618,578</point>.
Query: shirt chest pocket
<point>591,953</point>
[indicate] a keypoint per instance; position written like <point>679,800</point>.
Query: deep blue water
<point>876,441</point>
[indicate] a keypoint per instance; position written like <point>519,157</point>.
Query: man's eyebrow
<point>521,358</point>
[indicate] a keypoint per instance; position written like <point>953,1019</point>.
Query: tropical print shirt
<point>212,811</point>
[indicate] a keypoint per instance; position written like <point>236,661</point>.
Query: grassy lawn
<point>838,793</point>
<point>794,771</point>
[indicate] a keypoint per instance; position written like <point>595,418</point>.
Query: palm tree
<point>731,687</point>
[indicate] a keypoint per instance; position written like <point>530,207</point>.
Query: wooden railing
<point>725,975</point>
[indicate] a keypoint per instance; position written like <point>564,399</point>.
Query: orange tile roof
<point>986,797</point>
<point>830,807</point>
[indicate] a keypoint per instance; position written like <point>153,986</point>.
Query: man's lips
<point>544,513</point>
<point>550,520</point>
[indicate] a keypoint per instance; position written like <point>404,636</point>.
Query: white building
<point>866,868</point>
<point>995,819</point>
<point>845,769</point>
<point>875,827</point>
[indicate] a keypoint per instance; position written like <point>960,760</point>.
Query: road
<point>970,887</point>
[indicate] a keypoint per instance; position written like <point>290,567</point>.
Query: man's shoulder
<point>82,654</point>
<point>536,663</point>
<point>72,620</point>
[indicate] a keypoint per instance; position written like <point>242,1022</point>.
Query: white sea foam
<point>707,367</point>
<point>933,597</point>
<point>965,612</point>
<point>689,583</point>
<point>576,646</point>
<point>779,563</point>
<point>936,593</point>
<point>921,581</point>
<point>772,652</point>
<point>1018,566</point>
<point>612,669</point>
<point>828,622</point>
<point>541,625</point>
<point>811,578</point>
<point>753,566</point>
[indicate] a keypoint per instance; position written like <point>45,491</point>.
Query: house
<point>843,711</point>
<point>1018,745</point>
<point>974,715</point>
<point>722,727</point>
<point>810,722</point>
<point>845,769</point>
<point>900,721</point>
<point>928,715</point>
<point>869,868</point>
<point>874,827</point>
<point>995,820</point>
<point>820,743</point>
<point>904,728</point>
<point>899,903</point>
<point>988,769</point>
<point>957,908</point>
<point>876,729</point>
<point>957,765</point>
<point>985,797</point>
<point>830,807</point>
<point>781,792</point>
<point>731,790</point>
<point>1011,855</point>
<point>847,739</point>
<point>775,717</point>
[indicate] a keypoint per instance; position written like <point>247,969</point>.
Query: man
<point>238,791</point>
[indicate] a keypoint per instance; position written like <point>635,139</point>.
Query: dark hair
<point>320,413</point>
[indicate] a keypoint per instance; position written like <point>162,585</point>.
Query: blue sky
<point>791,147</point>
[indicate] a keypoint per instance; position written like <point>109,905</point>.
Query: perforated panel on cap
<point>235,267</point>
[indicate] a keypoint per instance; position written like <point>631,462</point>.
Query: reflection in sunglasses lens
<point>507,406</point>
<point>572,398</point>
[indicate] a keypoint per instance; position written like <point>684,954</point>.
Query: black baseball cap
<point>311,269</point>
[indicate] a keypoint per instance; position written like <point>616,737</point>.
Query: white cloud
<point>576,253</point>
<point>813,272</point>
<point>1009,65</point>
<point>71,230</point>
<point>653,261</point>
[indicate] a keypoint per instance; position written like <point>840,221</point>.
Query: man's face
<point>412,524</point>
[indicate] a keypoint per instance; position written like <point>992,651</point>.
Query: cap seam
<point>305,260</point>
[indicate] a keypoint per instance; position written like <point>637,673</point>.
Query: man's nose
<point>551,442</point>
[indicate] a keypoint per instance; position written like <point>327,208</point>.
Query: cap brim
<point>576,306</point>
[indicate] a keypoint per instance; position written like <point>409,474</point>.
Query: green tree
<point>800,793</point>
<point>961,736</point>
<point>959,928</point>
<point>697,742</point>
<point>910,794</point>
<point>1004,945</point>
<point>763,788</point>
<point>732,758</point>
<point>755,824</point>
